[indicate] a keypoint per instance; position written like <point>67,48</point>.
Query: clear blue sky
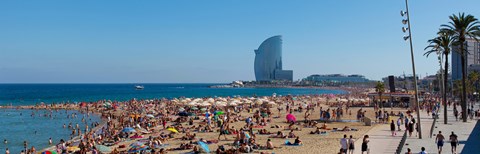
<point>211,41</point>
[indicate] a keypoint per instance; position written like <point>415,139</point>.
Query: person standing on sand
<point>344,144</point>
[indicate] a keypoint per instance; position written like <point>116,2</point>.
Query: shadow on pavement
<point>471,145</point>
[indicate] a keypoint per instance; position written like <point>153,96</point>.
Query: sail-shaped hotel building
<point>268,61</point>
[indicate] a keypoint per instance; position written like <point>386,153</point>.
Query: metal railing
<point>402,143</point>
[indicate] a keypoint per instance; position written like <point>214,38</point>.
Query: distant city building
<point>428,83</point>
<point>473,58</point>
<point>400,82</point>
<point>336,78</point>
<point>268,61</point>
<point>472,68</point>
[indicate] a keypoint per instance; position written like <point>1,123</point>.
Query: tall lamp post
<point>409,37</point>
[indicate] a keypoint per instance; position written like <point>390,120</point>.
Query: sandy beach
<point>145,118</point>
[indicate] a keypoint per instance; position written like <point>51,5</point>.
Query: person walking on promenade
<point>351,145</point>
<point>455,113</point>
<point>439,140</point>
<point>392,128</point>
<point>409,151</point>
<point>399,123</point>
<point>365,144</point>
<point>454,142</point>
<point>423,151</point>
<point>410,129</point>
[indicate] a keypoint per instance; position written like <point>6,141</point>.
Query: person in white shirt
<point>423,151</point>
<point>344,144</point>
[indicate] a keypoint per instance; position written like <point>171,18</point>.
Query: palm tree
<point>461,27</point>
<point>380,89</point>
<point>473,79</point>
<point>457,88</point>
<point>442,45</point>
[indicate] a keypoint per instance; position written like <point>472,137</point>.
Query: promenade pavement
<point>381,140</point>
<point>467,135</point>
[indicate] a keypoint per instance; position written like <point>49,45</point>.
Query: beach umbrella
<point>203,109</point>
<point>194,108</point>
<point>222,105</point>
<point>272,103</point>
<point>205,104</point>
<point>291,118</point>
<point>259,101</point>
<point>204,146</point>
<point>128,130</point>
<point>181,109</point>
<point>219,112</point>
<point>192,104</point>
<point>219,102</point>
<point>172,130</point>
<point>49,152</point>
<point>232,104</point>
<point>210,100</point>
<point>107,104</point>
<point>150,116</point>
<point>137,149</point>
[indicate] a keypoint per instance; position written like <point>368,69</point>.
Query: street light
<point>409,37</point>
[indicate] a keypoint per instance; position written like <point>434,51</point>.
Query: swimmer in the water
<point>5,141</point>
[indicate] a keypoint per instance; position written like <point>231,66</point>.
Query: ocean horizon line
<point>115,83</point>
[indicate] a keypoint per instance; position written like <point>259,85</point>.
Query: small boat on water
<point>139,87</point>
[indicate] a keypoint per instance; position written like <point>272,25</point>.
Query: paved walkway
<point>381,140</point>
<point>463,131</point>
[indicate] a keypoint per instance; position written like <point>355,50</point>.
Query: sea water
<point>31,94</point>
<point>18,126</point>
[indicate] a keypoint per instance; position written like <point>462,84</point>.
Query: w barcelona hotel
<point>268,61</point>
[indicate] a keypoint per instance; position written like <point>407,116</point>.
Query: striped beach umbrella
<point>49,152</point>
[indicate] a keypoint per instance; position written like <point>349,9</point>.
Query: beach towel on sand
<point>288,143</point>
